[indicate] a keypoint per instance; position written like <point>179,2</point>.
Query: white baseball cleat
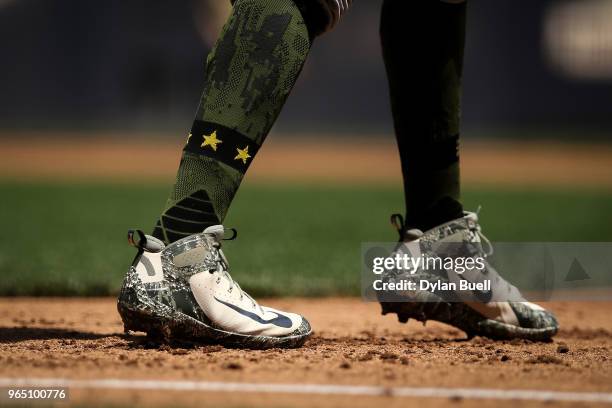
<point>184,291</point>
<point>506,315</point>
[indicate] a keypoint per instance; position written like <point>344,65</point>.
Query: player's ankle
<point>441,211</point>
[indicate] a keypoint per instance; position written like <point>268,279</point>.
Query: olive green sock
<point>249,75</point>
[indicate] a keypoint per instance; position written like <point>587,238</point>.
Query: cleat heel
<point>142,321</point>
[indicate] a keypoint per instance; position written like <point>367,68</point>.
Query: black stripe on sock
<point>175,236</point>
<point>179,225</point>
<point>158,232</point>
<point>201,195</point>
<point>192,215</point>
<point>229,148</point>
<point>197,205</point>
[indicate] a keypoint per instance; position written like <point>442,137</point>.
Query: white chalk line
<point>320,389</point>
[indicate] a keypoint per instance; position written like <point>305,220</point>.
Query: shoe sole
<point>185,328</point>
<point>504,331</point>
<point>479,326</point>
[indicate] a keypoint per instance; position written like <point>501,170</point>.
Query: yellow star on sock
<point>243,154</point>
<point>211,140</point>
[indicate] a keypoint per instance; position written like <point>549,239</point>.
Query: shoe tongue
<point>412,234</point>
<point>217,231</point>
<point>471,216</point>
<point>153,244</point>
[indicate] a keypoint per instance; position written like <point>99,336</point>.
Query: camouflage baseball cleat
<point>502,314</point>
<point>183,291</point>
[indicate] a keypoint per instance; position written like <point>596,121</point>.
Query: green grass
<point>62,239</point>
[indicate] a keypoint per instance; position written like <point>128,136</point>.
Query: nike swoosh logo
<point>280,320</point>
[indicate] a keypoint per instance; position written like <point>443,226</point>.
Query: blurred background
<point>97,99</point>
<point>139,65</point>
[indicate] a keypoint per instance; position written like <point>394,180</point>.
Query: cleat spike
<point>402,318</point>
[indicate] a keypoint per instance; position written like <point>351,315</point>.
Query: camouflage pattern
<point>168,310</point>
<point>462,237</point>
<point>254,66</point>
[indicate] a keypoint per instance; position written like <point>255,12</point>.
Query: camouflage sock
<point>249,75</point>
<point>423,43</point>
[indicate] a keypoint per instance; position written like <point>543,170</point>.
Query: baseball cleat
<point>184,291</point>
<point>508,317</point>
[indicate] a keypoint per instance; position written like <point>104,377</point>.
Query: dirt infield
<point>353,345</point>
<point>129,157</point>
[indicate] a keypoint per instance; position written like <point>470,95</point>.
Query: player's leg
<point>249,75</point>
<point>179,284</point>
<point>423,43</point>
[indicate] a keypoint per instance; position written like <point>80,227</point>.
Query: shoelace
<point>477,231</point>
<point>222,266</point>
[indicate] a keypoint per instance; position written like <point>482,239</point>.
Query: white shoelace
<point>223,269</point>
<point>484,240</point>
